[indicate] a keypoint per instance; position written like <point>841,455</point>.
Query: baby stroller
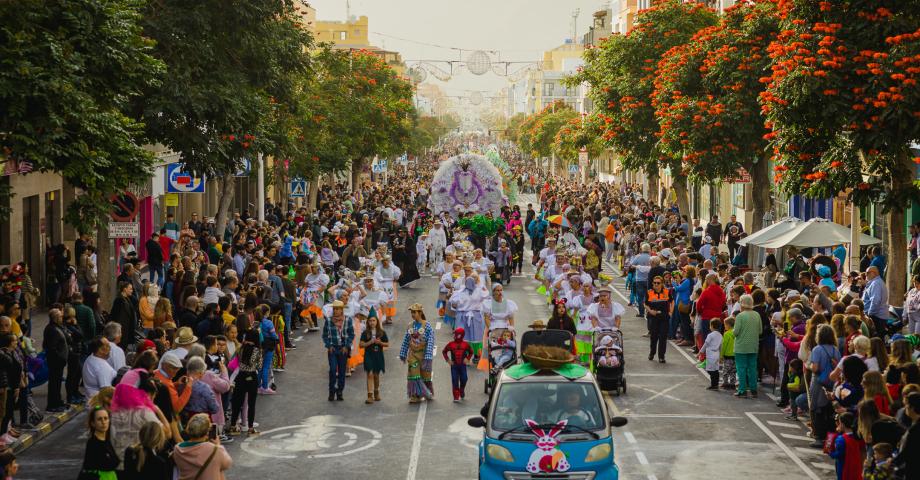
<point>501,353</point>
<point>608,360</point>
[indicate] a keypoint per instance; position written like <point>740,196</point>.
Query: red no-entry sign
<point>124,207</point>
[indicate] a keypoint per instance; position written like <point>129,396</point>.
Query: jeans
<point>337,361</point>
<point>641,295</point>
<point>287,308</point>
<point>266,374</point>
<point>674,324</point>
<point>157,272</point>
<point>458,379</point>
<point>746,365</point>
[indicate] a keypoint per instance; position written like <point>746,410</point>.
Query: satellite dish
<point>478,63</point>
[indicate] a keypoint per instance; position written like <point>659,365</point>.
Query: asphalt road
<point>677,430</point>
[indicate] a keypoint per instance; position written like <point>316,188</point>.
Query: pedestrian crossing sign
<point>298,188</point>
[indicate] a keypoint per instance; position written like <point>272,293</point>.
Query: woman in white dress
<point>467,302</point>
<point>605,314</point>
<point>499,312</point>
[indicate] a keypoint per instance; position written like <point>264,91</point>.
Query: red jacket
<point>711,302</point>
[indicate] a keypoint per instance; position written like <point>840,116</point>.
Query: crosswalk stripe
<point>797,437</point>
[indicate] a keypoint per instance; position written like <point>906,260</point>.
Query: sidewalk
<point>52,421</point>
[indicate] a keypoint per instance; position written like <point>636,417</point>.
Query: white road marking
<point>809,472</point>
<point>652,476</point>
<point>772,397</point>
<point>662,393</point>
<point>437,326</point>
<point>689,359</point>
<point>810,451</point>
<point>314,435</point>
<point>823,466</point>
<point>298,338</point>
<point>784,424</point>
<point>797,437</point>
<point>678,415</point>
<point>669,397</point>
<point>641,457</point>
<point>417,441</point>
<point>629,437</point>
<point>537,302</point>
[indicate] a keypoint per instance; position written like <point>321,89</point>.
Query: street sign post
<point>178,181</point>
<point>298,188</point>
<point>583,157</point>
<point>124,229</point>
<point>573,168</point>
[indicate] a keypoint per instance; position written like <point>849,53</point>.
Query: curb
<point>52,422</point>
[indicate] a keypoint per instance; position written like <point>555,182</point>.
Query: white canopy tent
<point>817,232</point>
<point>770,232</point>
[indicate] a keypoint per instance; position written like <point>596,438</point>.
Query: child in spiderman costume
<point>458,354</point>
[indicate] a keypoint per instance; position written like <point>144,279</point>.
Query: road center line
<point>417,441</point>
<point>808,471</point>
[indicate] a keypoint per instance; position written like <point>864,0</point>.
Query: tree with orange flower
<point>706,101</point>
<point>621,74</point>
<point>844,106</point>
<point>583,131</point>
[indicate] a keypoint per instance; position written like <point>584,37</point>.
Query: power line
<point>432,44</point>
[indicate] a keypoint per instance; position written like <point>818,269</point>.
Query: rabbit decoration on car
<point>547,458</point>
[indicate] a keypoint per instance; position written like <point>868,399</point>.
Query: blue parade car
<point>546,423</point>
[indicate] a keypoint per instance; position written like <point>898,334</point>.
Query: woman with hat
<point>417,351</point>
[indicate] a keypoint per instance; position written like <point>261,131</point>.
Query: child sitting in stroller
<point>502,348</point>
<point>607,353</point>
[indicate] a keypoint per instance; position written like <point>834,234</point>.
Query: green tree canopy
<point>69,71</point>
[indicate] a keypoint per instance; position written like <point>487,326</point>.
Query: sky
<point>519,30</point>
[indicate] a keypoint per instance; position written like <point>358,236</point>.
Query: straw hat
<point>338,304</point>
<point>537,325</point>
<point>416,307</point>
<point>184,336</point>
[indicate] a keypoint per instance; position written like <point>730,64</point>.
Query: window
<point>343,35</point>
<point>548,89</point>
<point>546,404</point>
<point>643,4</point>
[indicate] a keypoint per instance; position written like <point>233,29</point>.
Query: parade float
<point>467,184</point>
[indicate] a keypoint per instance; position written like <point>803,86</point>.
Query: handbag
<point>683,308</point>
